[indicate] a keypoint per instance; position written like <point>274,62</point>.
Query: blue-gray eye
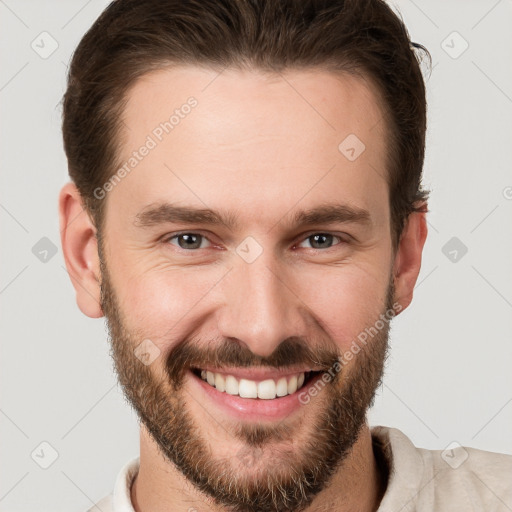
<point>189,241</point>
<point>321,240</point>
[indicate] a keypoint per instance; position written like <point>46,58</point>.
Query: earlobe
<point>407,262</point>
<point>80,250</point>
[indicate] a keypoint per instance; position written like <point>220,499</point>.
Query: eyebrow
<point>164,213</point>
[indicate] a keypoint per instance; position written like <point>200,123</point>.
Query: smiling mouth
<point>267,389</point>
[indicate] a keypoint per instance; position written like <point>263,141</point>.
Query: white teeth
<point>247,389</point>
<point>220,383</point>
<point>292,385</point>
<point>267,389</point>
<point>282,387</point>
<point>231,385</point>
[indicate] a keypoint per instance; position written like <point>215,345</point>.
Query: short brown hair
<point>133,37</point>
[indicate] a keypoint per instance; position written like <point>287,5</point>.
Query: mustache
<point>293,351</point>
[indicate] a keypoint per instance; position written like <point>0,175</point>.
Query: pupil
<point>189,242</point>
<point>321,236</point>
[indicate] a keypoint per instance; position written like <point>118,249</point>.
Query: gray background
<point>448,377</point>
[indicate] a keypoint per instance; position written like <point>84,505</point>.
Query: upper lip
<point>258,374</point>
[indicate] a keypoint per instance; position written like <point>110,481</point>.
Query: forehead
<point>252,136</point>
<point>324,99</point>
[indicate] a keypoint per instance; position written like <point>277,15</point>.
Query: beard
<point>279,467</point>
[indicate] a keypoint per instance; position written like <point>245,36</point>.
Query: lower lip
<point>251,409</point>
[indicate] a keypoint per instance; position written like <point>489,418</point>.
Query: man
<point>247,213</point>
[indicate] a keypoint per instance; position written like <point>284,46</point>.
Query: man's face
<point>264,303</point>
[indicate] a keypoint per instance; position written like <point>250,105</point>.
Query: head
<point>246,197</point>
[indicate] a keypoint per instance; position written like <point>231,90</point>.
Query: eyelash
<point>342,241</point>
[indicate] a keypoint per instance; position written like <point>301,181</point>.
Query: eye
<point>322,240</point>
<point>188,241</point>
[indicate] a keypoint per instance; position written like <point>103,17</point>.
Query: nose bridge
<point>259,309</point>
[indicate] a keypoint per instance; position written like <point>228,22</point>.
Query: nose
<point>259,307</point>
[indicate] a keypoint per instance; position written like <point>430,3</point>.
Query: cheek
<point>158,304</point>
<point>165,305</point>
<point>345,300</point>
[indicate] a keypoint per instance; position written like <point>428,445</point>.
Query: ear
<point>80,249</point>
<point>407,264</point>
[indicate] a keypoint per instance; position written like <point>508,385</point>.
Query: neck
<point>359,483</point>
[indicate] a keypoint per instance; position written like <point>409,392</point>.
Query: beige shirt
<point>458,479</point>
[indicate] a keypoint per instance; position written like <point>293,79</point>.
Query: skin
<point>261,146</point>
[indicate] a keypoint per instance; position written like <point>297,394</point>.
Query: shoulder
<point>456,478</point>
<point>482,479</point>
